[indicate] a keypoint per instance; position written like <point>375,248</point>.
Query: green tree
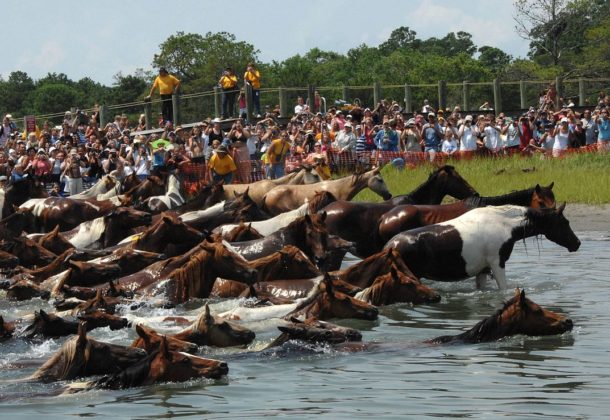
<point>493,58</point>
<point>14,91</point>
<point>53,98</point>
<point>400,38</point>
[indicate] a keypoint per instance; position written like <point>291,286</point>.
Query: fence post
<point>408,99</point>
<point>148,114</point>
<point>582,95</point>
<point>376,93</point>
<point>104,115</point>
<point>559,88</point>
<point>284,109</point>
<point>249,103</point>
<point>217,103</point>
<point>465,96</point>
<point>497,96</point>
<point>311,97</point>
<point>176,107</point>
<point>442,94</point>
<point>344,93</point>
<point>523,95</point>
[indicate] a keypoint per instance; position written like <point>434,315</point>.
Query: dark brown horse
<point>129,182</point>
<point>208,196</point>
<point>6,329</point>
<point>150,340</point>
<point>54,241</point>
<point>21,220</point>
<point>208,330</point>
<point>30,254</point>
<point>8,261</point>
<point>163,365</point>
<point>308,233</point>
<point>19,192</point>
<point>47,325</point>
<point>129,260</point>
<point>82,356</point>
<point>344,215</point>
<point>411,216</point>
<point>243,232</point>
<point>151,187</point>
<point>396,287</point>
<point>518,316</point>
<point>312,330</point>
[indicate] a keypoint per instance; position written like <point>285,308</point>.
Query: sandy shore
<point>584,217</point>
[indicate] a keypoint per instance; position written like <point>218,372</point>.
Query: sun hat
<point>468,118</point>
<point>222,149</point>
<point>565,119</point>
<point>431,114</point>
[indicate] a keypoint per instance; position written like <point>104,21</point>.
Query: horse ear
<point>308,219</point>
<point>209,319</point>
<point>164,347</point>
<point>522,298</point>
<point>328,283</point>
<point>82,334</point>
<point>112,288</point>
<point>550,187</point>
<point>323,215</point>
<point>295,320</point>
<point>538,189</point>
<point>142,333</point>
<point>561,208</point>
<point>44,316</point>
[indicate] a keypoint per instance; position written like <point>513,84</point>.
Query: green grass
<point>582,178</point>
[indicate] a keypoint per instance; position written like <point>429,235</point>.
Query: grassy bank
<point>583,178</point>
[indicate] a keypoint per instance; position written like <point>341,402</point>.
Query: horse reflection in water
<point>518,316</point>
<point>479,241</point>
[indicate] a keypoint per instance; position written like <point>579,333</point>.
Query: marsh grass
<point>579,178</point>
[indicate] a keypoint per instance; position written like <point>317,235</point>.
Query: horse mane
<point>320,200</point>
<point>133,376</point>
<point>517,197</point>
<point>375,292</point>
<point>311,297</point>
<point>190,273</point>
<point>64,358</point>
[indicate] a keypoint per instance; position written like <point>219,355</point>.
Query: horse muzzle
<point>567,324</point>
<point>574,247</point>
<point>387,196</point>
<point>5,284</point>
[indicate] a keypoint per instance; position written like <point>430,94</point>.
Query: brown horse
<point>8,261</point>
<point>191,275</point>
<point>312,330</point>
<point>364,273</point>
<point>518,316</point>
<point>344,215</point>
<point>85,293</point>
<point>54,241</point>
<point>150,340</point>
<point>327,303</point>
<point>21,220</point>
<point>19,192</point>
<point>6,329</point>
<point>30,254</point>
<point>208,196</point>
<point>307,233</point>
<point>49,325</point>
<point>169,236</point>
<point>208,330</point>
<point>163,365</point>
<point>411,216</point>
<point>289,197</point>
<point>258,189</point>
<point>396,287</point>
<point>243,232</point>
<point>26,290</point>
<point>129,260</point>
<point>82,356</point>
<point>153,186</point>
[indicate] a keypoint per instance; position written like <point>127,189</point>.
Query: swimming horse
<point>479,241</point>
<point>518,316</point>
<point>170,200</point>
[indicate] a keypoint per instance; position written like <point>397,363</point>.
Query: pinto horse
<point>172,198</point>
<point>411,216</point>
<point>289,197</point>
<point>518,316</point>
<point>65,212</point>
<point>153,186</point>
<point>343,215</point>
<point>83,356</point>
<point>479,241</point>
<point>163,365</point>
<point>308,233</point>
<point>104,185</point>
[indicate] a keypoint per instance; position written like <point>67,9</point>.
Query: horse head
<point>88,274</point>
<point>127,218</point>
<point>6,329</point>
<point>334,304</point>
<point>554,226</point>
<point>26,290</point>
<point>447,181</point>
<point>315,236</point>
<point>150,340</point>
<point>243,232</point>
<point>55,242</point>
<point>378,185</point>
<point>22,219</point>
<point>312,330</point>
<point>209,330</point>
<point>395,287</point>
<point>543,197</point>
<point>49,325</point>
<point>297,263</point>
<point>320,200</point>
<point>96,318</point>
<point>229,264</point>
<point>178,232</point>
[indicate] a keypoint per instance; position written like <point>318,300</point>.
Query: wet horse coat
<point>479,241</point>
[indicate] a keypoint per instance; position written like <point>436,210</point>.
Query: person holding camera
<point>252,78</point>
<point>71,171</point>
<point>228,84</point>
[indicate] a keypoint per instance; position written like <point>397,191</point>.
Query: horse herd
<point>271,249</point>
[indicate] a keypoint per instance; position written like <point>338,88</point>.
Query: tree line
<point>567,37</point>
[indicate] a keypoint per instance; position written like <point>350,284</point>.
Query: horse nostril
<point>568,323</point>
<point>224,366</point>
<point>5,284</point>
<point>250,336</point>
<point>372,314</point>
<point>435,298</point>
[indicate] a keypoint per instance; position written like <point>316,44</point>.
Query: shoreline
<point>588,217</point>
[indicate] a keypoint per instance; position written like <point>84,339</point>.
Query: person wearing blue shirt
<point>432,134</point>
<point>387,139</point>
<point>603,126</point>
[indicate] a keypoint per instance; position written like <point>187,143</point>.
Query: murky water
<point>558,376</point>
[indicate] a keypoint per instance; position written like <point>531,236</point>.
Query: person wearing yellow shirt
<point>276,153</point>
<point>221,166</point>
<point>252,78</point>
<point>167,85</point>
<point>228,83</point>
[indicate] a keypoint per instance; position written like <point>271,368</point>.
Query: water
<point>563,376</point>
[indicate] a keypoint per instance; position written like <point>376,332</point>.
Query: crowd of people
<point>78,152</point>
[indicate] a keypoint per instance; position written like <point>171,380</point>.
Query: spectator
<point>252,78</point>
<point>72,172</point>
<point>410,137</point>
<point>276,153</point>
<point>300,106</point>
<point>167,85</point>
<point>513,136</point>
<point>221,166</point>
<point>590,127</point>
<point>228,83</point>
<point>345,141</point>
<point>603,127</point>
<point>492,136</point>
<point>427,108</point>
<point>431,135</point>
<point>387,139</point>
<point>449,146</point>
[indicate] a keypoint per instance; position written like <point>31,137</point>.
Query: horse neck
<point>347,187</point>
<point>517,198</point>
<point>488,329</point>
<point>426,193</point>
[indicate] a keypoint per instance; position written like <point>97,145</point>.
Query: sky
<point>99,39</point>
